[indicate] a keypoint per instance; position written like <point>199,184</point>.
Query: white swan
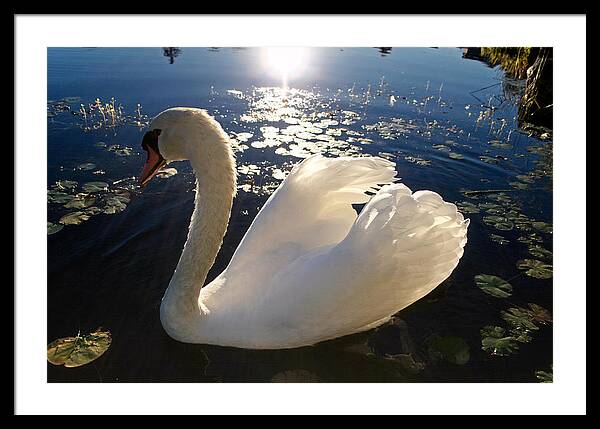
<point>308,269</point>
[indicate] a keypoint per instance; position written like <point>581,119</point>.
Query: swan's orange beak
<point>154,160</point>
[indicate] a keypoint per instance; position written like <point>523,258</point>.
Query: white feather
<point>308,269</point>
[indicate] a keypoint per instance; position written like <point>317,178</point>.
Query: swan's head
<point>183,133</point>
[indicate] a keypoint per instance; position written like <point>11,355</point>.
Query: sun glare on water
<point>285,63</point>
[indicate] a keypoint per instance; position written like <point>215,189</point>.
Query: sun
<point>285,63</point>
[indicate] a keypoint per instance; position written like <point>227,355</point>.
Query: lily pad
<point>295,376</point>
<point>74,218</point>
<point>543,226</point>
<point>95,186</point>
<point>450,349</point>
<point>499,239</point>
<point>499,222</point>
<point>493,285</point>
<point>543,376</point>
<point>66,184</point>
<point>80,350</point>
<point>455,155</point>
<point>519,185</point>
<point>534,268</point>
<point>467,207</point>
<point>53,228</point>
<point>81,201</point>
<point>86,166</point>
<point>540,252</point>
<point>58,197</point>
<point>115,204</point>
<point>495,341</point>
<point>520,320</point>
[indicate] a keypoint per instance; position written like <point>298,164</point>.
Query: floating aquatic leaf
<point>499,222</point>
<point>499,239</point>
<point>493,285</point>
<point>520,320</point>
<point>525,178</point>
<point>81,201</point>
<point>165,173</point>
<point>543,226</point>
<point>115,204</point>
<point>455,155</point>
<point>488,159</point>
<point>544,377</point>
<point>450,349</point>
<point>59,197</point>
<point>495,341</point>
<point>86,166</point>
<point>80,350</point>
<point>534,268</point>
<point>540,314</point>
<point>519,185</point>
<point>539,252</point>
<point>406,361</point>
<point>500,145</point>
<point>295,376</point>
<point>441,147</point>
<point>74,218</point>
<point>66,184</point>
<point>467,207</point>
<point>71,100</point>
<point>53,228</point>
<point>93,210</point>
<point>95,186</point>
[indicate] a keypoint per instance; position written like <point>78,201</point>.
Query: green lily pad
<point>295,376</point>
<point>499,222</point>
<point>115,204</point>
<point>80,350</point>
<point>86,166</point>
<point>493,285</point>
<point>519,185</point>
<point>500,145</point>
<point>53,228</point>
<point>520,320</point>
<point>539,252</point>
<point>467,207</point>
<point>534,268</point>
<point>95,186</point>
<point>74,218</point>
<point>489,159</point>
<point>81,201</point>
<point>455,155</point>
<point>543,226</point>
<point>543,376</point>
<point>71,100</point>
<point>540,314</point>
<point>66,184</point>
<point>499,239</point>
<point>58,197</point>
<point>450,349</point>
<point>495,341</point>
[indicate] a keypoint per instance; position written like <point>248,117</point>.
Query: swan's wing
<point>311,208</point>
<point>399,249</point>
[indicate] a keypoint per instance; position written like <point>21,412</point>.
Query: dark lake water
<point>448,123</point>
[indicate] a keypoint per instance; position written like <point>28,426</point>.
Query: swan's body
<point>308,269</point>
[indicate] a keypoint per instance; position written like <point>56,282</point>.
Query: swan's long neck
<point>214,166</point>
